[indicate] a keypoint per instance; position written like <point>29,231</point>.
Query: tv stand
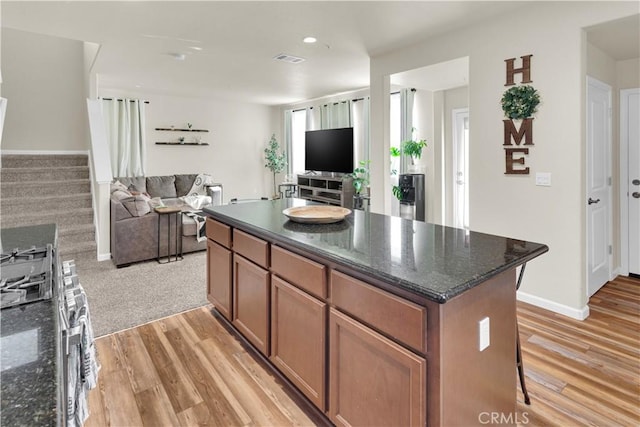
<point>326,189</point>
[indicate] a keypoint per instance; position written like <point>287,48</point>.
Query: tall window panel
<point>298,128</point>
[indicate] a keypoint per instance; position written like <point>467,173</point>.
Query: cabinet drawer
<point>257,250</point>
<point>300,271</point>
<point>218,232</point>
<point>398,318</point>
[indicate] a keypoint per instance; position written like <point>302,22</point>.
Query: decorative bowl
<point>316,214</point>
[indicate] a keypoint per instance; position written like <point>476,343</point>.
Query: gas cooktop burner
<point>26,276</point>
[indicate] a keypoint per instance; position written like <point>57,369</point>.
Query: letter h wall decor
<point>519,104</point>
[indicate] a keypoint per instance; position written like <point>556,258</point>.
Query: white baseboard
<point>554,306</point>
<point>104,257</point>
<point>44,152</point>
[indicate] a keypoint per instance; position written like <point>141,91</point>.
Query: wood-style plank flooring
<point>584,372</point>
<point>187,370</point>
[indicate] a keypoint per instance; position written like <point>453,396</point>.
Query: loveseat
<point>134,222</point>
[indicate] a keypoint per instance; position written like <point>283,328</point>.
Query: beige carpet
<point>120,298</point>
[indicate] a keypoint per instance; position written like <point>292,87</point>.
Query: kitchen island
<point>376,320</point>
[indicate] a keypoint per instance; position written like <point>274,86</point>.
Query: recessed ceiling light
<point>198,48</point>
<point>309,39</point>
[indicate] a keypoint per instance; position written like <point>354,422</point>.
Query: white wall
<point>43,80</point>
<point>238,134</point>
<point>513,205</point>
<point>628,73</point>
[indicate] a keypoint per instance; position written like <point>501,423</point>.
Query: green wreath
<point>520,102</point>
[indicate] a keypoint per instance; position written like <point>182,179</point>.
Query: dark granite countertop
<point>28,347</point>
<point>28,339</point>
<point>428,260</point>
<point>26,237</point>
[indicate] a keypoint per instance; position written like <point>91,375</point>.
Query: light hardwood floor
<point>187,370</point>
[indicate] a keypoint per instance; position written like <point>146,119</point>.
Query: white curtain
<point>366,127</point>
<point>125,129</point>
<point>406,122</point>
<point>288,140</point>
<point>335,115</point>
<point>360,122</point>
<point>313,118</point>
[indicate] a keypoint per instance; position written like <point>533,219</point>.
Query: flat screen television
<point>329,150</point>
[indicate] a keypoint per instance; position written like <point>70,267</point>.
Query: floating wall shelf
<point>182,143</point>
<point>182,130</point>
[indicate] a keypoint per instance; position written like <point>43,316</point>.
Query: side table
<point>290,189</point>
<point>167,211</point>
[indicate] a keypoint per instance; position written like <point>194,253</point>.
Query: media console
<point>326,189</point>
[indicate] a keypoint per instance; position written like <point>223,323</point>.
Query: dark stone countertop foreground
<point>425,259</point>
<point>28,335</point>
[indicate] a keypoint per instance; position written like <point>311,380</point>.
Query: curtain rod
<point>131,100</point>
<point>353,100</point>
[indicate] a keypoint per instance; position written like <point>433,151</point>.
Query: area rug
<point>121,298</point>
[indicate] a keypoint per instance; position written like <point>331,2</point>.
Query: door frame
<point>455,135</point>
<point>591,81</point>
<point>624,179</point>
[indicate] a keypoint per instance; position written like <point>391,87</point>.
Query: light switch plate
<point>543,179</point>
<point>484,334</point>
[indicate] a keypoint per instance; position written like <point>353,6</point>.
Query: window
<point>394,129</point>
<point>298,128</point>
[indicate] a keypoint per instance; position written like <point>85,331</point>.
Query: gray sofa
<point>134,224</point>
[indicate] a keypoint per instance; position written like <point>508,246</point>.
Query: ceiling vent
<point>288,58</point>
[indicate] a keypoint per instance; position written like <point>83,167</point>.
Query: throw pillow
<point>120,194</point>
<point>161,186</point>
<point>184,184</point>
<point>137,205</point>
<point>139,181</point>
<point>135,191</point>
<point>117,185</point>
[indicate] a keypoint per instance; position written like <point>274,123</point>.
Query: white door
<point>460,123</point>
<point>630,182</point>
<point>598,184</point>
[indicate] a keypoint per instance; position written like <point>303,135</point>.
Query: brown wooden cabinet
<point>362,349</point>
<point>298,331</point>
<point>219,280</point>
<point>251,302</point>
<point>372,380</point>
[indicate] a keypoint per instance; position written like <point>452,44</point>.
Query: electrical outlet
<point>543,179</point>
<point>484,334</point>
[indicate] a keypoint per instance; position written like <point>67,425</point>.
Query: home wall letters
<point>518,103</point>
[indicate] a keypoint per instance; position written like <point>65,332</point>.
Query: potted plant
<point>276,160</point>
<point>413,149</point>
<point>395,152</point>
<point>360,177</point>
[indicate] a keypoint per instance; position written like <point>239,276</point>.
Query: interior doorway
<point>441,88</point>
<point>630,180</point>
<point>460,124</point>
<point>598,207</point>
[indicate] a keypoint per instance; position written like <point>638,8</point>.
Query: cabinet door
<point>219,281</point>
<point>372,380</point>
<point>251,302</point>
<point>298,338</point>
